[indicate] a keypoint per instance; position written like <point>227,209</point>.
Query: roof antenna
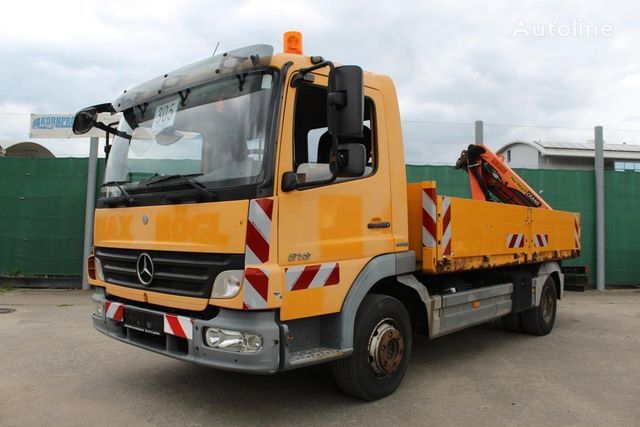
<point>216,49</point>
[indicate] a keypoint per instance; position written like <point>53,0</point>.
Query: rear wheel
<point>540,320</point>
<point>382,347</point>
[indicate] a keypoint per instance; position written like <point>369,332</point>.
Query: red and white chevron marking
<point>258,231</point>
<point>429,217</point>
<point>515,240</point>
<point>541,240</point>
<point>114,310</point>
<point>312,276</point>
<point>180,326</point>
<point>446,226</point>
<point>576,232</point>
<point>256,288</point>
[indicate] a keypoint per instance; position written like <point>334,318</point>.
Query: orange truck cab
<point>255,217</point>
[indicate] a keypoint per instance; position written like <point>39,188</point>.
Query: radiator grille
<point>179,273</point>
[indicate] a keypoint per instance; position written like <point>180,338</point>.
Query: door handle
<point>382,224</point>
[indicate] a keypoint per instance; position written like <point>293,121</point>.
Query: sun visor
<point>250,58</point>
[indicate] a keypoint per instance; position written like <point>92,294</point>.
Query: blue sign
<point>52,122</point>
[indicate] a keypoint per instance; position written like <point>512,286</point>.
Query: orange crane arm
<point>491,179</point>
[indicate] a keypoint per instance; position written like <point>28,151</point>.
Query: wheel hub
<point>386,348</point>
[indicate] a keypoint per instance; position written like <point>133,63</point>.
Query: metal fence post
<point>479,132</point>
<point>89,207</point>
<point>599,172</point>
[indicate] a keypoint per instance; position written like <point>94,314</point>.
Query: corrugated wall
<point>42,213</point>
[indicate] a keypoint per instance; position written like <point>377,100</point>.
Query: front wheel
<point>382,348</point>
<point>539,320</point>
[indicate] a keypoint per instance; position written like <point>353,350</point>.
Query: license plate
<point>143,321</point>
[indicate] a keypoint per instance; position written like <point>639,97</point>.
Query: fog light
<point>227,284</point>
<point>98,308</point>
<point>99,272</point>
<point>224,339</point>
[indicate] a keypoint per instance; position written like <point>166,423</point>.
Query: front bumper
<point>191,348</point>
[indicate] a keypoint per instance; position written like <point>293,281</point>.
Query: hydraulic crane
<point>491,179</point>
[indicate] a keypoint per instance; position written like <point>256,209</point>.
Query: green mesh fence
<point>42,213</point>
<point>42,202</point>
<point>622,227</point>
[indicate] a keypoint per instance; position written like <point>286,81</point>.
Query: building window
<point>627,166</point>
<point>508,156</point>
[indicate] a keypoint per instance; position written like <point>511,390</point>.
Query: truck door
<point>328,233</point>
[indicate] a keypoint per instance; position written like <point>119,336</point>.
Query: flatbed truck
<point>256,217</point>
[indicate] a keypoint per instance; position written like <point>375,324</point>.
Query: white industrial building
<point>569,155</point>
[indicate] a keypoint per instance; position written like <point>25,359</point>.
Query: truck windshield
<point>214,133</point>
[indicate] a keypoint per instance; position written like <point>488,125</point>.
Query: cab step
<point>314,355</point>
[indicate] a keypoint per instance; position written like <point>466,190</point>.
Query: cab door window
<point>312,141</point>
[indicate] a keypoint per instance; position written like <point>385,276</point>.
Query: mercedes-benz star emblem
<point>144,268</point>
<point>145,219</point>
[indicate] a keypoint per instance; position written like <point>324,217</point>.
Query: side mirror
<point>84,120</point>
<point>345,101</point>
<point>352,160</point>
<point>289,181</point>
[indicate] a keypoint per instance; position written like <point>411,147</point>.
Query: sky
<point>558,64</point>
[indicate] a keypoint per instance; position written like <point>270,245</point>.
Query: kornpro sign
<point>59,125</point>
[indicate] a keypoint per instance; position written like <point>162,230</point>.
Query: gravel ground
<point>56,370</point>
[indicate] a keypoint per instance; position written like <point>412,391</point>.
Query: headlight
<point>227,284</point>
<point>224,339</point>
<point>99,272</point>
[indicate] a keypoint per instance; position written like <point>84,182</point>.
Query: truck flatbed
<point>452,234</point>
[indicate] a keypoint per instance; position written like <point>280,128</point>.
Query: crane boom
<point>491,179</point>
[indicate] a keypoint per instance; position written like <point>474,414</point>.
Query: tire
<point>540,320</point>
<point>382,349</point>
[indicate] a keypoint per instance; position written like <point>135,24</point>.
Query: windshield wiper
<point>161,178</point>
<point>186,179</point>
<point>117,184</point>
<point>125,198</point>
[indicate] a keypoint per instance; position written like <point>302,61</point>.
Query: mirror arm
<point>112,131</point>
<point>303,76</point>
<point>317,66</point>
<point>107,146</point>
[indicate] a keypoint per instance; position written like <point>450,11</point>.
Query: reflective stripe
<point>256,288</point>
<point>446,225</point>
<point>429,217</point>
<point>312,276</point>
<point>541,240</point>
<point>258,231</point>
<point>180,326</point>
<point>258,240</point>
<point>114,310</point>
<point>515,240</point>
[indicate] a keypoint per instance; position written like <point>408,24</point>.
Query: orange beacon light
<point>292,42</point>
